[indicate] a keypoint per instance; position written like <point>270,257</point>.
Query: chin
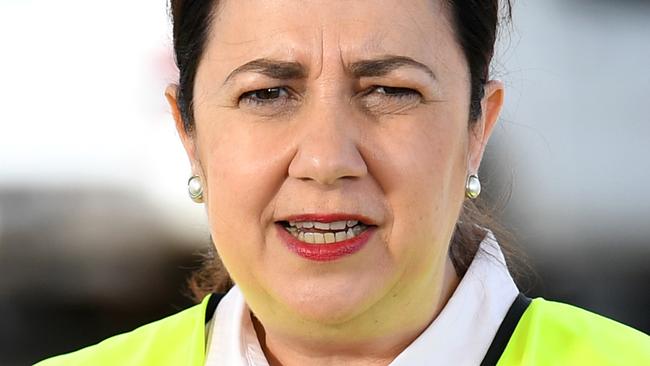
<point>331,299</point>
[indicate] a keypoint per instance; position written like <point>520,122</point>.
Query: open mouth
<point>315,232</point>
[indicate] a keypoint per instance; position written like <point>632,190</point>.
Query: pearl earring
<point>472,186</point>
<point>195,189</point>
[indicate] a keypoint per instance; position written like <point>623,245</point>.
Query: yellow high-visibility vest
<point>551,333</point>
<point>536,332</point>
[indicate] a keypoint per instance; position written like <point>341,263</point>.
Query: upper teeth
<point>337,231</point>
<point>336,225</point>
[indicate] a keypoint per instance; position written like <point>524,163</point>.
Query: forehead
<point>313,31</point>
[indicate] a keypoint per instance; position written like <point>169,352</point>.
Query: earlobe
<point>482,130</point>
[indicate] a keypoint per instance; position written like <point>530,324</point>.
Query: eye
<point>265,96</point>
<point>395,91</point>
<point>380,99</point>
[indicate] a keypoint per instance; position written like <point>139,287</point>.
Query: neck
<point>352,344</point>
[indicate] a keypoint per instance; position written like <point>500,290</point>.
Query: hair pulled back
<point>475,24</point>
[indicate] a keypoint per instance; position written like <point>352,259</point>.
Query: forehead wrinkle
<point>341,58</point>
<point>322,52</point>
<point>370,58</point>
<point>296,59</point>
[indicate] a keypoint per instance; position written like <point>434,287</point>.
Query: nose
<point>327,148</point>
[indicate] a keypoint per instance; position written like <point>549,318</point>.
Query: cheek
<point>244,168</point>
<point>422,167</point>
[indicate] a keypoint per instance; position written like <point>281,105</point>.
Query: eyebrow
<point>384,65</point>
<point>285,70</point>
<point>281,70</point>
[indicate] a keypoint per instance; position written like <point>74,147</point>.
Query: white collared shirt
<point>460,335</point>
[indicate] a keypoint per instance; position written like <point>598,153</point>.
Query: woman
<point>336,145</point>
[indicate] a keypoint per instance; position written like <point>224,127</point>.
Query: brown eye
<point>265,96</point>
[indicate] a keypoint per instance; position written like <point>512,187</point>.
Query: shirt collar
<point>460,335</point>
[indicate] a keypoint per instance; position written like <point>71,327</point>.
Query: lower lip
<point>324,252</point>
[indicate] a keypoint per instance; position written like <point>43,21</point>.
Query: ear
<point>481,130</point>
<point>187,138</point>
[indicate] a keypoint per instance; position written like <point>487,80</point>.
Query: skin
<point>332,141</point>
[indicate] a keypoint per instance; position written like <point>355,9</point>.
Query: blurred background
<point>97,235</point>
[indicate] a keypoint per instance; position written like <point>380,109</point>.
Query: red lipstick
<point>326,251</point>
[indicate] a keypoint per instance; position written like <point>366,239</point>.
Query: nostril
<point>326,159</point>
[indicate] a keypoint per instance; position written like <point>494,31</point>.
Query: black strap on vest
<point>506,329</point>
<point>213,301</point>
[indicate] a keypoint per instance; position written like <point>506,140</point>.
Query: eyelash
<point>397,92</point>
<point>253,97</point>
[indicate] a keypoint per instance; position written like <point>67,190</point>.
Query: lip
<point>325,252</point>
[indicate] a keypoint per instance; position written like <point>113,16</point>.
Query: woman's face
<point>334,111</point>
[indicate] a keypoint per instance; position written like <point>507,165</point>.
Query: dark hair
<point>191,25</point>
<point>475,24</point>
